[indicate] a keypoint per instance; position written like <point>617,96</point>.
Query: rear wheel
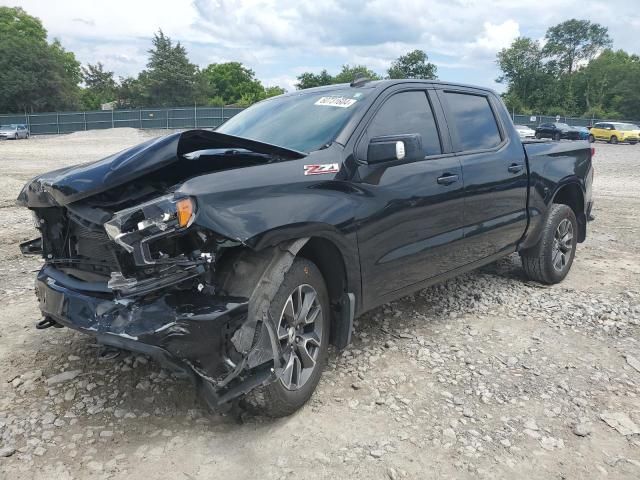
<point>538,136</point>
<point>15,137</point>
<point>556,136</point>
<point>550,260</point>
<point>613,139</point>
<point>301,309</point>
<point>592,139</point>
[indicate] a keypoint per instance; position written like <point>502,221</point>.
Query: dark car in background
<point>557,131</point>
<point>583,131</point>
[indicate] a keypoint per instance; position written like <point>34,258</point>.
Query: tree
<point>523,70</point>
<point>414,64</point>
<point>232,82</point>
<point>574,41</point>
<point>170,77</point>
<point>100,86</point>
<point>349,73</point>
<point>273,91</point>
<point>34,75</point>
<point>310,80</point>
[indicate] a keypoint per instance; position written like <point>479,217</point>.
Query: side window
<point>474,120</point>
<point>406,113</point>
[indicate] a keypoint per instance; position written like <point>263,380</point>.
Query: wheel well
<point>329,260</point>
<point>327,257</point>
<point>571,195</point>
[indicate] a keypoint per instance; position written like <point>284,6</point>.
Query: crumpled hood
<point>70,184</point>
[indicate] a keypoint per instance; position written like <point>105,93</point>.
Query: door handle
<point>515,168</point>
<point>447,179</point>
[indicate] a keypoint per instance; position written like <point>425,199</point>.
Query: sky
<point>279,39</point>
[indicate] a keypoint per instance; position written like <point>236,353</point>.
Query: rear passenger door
<point>494,170</point>
<point>412,221</point>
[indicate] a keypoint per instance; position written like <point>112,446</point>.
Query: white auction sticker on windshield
<point>341,102</point>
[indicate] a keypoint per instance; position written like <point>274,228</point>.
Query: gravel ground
<point>486,376</point>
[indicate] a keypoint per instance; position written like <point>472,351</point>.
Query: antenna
<point>359,80</point>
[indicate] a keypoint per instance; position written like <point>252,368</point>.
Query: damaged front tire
<point>301,308</point>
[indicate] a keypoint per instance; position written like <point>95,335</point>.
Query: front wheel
<point>538,136</point>
<point>557,136</point>
<point>550,260</point>
<point>301,311</point>
<point>613,140</point>
<point>592,139</point>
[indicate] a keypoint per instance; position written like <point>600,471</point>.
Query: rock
<point>531,425</point>
<point>449,433</point>
<point>532,433</point>
<point>376,453</point>
<point>48,418</point>
<point>582,429</point>
<point>106,434</point>
<point>7,451</point>
<point>39,451</point>
<point>63,377</point>
<point>392,473</point>
<point>143,385</point>
<point>505,443</point>
<point>621,422</point>
<point>512,361</point>
<point>70,394</point>
<point>95,466</point>
<point>467,412</point>
<point>633,362</point>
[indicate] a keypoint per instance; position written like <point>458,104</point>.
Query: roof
<point>382,84</point>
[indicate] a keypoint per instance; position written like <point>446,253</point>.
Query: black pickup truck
<point>237,256</point>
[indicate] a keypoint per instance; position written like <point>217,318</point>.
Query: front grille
<point>91,244</point>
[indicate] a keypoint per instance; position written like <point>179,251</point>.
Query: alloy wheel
<point>300,332</point>
<point>562,245</point>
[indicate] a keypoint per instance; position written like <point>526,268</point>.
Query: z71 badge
<point>322,168</point>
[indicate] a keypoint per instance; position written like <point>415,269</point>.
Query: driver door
<point>412,225</point>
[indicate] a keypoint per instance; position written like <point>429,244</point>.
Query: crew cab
<point>237,256</point>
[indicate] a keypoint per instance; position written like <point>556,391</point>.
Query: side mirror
<point>394,148</point>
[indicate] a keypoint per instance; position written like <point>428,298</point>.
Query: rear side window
<point>474,120</point>
<point>407,113</point>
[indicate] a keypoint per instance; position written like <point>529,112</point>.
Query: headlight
<point>160,215</point>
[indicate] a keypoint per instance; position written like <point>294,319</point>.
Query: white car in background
<point>525,132</point>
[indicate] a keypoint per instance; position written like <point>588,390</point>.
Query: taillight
<point>593,152</point>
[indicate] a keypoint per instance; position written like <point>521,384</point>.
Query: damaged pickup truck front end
<point>134,261</point>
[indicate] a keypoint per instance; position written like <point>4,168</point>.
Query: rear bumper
<point>185,331</point>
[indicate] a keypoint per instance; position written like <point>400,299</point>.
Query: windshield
<point>624,127</point>
<point>7,127</point>
<point>562,125</point>
<point>305,122</point>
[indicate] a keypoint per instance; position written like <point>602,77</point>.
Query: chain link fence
<point>190,117</point>
<point>535,120</point>
<point>169,118</point>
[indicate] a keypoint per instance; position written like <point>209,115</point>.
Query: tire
<point>592,139</point>
<point>283,397</point>
<point>538,136</point>
<point>613,140</point>
<point>557,136</point>
<point>15,137</point>
<point>541,262</point>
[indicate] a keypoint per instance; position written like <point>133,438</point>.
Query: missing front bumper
<point>186,331</point>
